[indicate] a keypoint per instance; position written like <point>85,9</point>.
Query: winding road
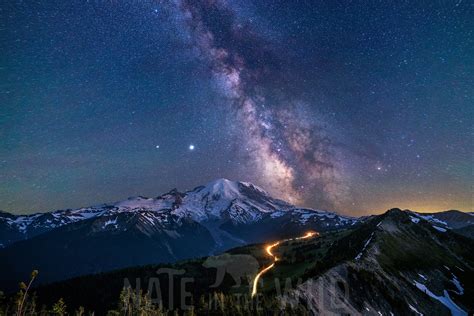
<point>268,250</point>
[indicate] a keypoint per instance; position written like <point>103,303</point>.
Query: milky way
<point>350,106</point>
<point>290,151</point>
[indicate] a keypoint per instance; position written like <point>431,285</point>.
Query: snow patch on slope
<point>445,300</point>
<point>365,246</point>
<point>414,219</point>
<point>431,218</point>
<point>110,222</point>
<point>440,229</point>
<point>457,284</point>
<point>415,310</point>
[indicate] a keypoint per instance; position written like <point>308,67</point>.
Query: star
<point>248,99</point>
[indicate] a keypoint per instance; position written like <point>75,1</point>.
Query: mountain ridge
<point>395,255</point>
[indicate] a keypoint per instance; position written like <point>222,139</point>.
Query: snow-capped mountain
<point>450,219</point>
<point>141,230</point>
<point>459,222</point>
<point>288,223</point>
<point>220,201</point>
<point>240,202</point>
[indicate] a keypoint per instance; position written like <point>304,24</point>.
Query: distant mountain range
<point>175,226</point>
<point>140,230</point>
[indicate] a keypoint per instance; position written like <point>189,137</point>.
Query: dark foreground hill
<point>396,263</point>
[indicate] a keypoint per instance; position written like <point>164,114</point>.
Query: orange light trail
<point>268,250</point>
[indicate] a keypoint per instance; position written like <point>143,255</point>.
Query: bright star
<point>157,146</point>
<point>191,147</point>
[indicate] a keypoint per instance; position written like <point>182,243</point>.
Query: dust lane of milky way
<point>290,153</point>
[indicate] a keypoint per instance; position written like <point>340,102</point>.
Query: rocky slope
<point>401,266</point>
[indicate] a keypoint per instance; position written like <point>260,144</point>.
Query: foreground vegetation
<point>131,303</point>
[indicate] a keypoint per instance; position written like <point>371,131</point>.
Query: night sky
<point>350,106</point>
